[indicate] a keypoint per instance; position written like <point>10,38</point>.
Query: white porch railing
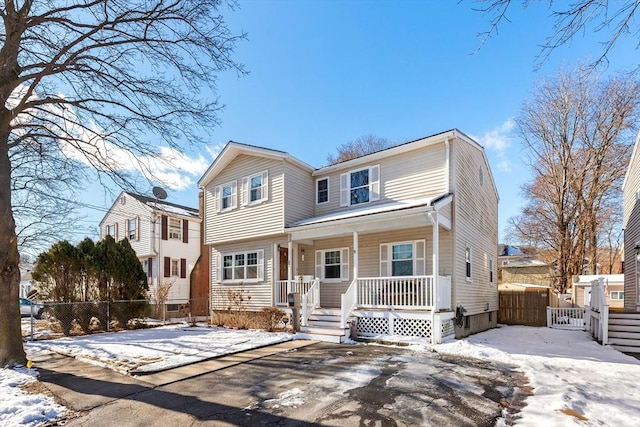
<point>309,301</point>
<point>598,312</point>
<point>566,317</point>
<point>402,292</point>
<point>285,287</point>
<point>348,302</point>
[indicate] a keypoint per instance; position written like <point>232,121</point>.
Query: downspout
<point>433,217</point>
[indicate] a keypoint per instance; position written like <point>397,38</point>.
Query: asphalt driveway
<point>293,385</point>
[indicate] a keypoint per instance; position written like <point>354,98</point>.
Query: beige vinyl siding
<point>264,219</point>
<point>299,190</point>
<point>407,176</point>
<point>476,224</point>
<point>631,187</point>
<point>261,294</point>
<point>631,237</point>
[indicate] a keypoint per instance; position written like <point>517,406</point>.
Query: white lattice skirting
<point>372,326</point>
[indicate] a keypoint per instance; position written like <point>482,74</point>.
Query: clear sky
<point>326,72</point>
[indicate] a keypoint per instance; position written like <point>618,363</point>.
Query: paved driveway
<point>318,384</point>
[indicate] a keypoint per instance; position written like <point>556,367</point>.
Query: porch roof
<point>400,213</point>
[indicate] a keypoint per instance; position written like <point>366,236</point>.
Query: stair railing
<point>348,302</point>
<point>309,301</point>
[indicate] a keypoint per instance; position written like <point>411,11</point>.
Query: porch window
<point>332,265</point>
<point>175,229</point>
<point>467,262</point>
<point>242,266</point>
<point>360,186</point>
<point>402,258</point>
<point>254,188</point>
<point>616,295</point>
<point>322,190</point>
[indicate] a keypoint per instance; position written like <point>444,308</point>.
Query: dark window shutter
<point>165,226</point>
<point>167,266</point>
<point>183,268</point>
<point>185,231</point>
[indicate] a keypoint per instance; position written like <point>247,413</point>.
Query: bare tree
<point>99,83</point>
<point>578,130</point>
<point>361,146</point>
<point>614,19</point>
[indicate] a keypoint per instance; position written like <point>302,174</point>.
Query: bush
<point>271,318</point>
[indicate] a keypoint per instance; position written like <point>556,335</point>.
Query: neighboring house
<point>396,242</point>
<point>26,283</point>
<point>166,238</point>
<point>631,225</point>
<point>524,270</point>
<point>614,289</point>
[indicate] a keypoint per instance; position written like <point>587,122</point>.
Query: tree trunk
<point>11,348</point>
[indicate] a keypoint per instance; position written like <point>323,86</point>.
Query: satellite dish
<point>159,193</point>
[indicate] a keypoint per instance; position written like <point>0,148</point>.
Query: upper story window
<point>111,230</point>
<point>402,258</point>
<point>332,265</point>
<point>175,267</point>
<point>255,188</point>
<point>132,229</point>
<point>175,229</point>
<point>360,186</point>
<point>322,190</point>
<point>491,271</point>
<point>467,262</point>
<point>481,177</point>
<point>226,196</point>
<point>243,266</point>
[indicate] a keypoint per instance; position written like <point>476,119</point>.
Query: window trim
<point>259,266</point>
<point>246,188</point>
<point>618,293</point>
<point>491,274</point>
<point>135,235</point>
<point>468,263</point>
<point>373,186</point>
<point>171,233</point>
<point>219,197</point>
<point>174,272</point>
<point>344,265</point>
<point>318,190</point>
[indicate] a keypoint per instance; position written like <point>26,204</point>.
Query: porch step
<point>324,325</point>
<point>624,332</point>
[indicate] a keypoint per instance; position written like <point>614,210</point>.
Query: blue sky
<point>326,72</point>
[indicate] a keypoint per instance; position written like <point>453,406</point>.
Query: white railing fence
<point>598,312</point>
<point>285,287</point>
<point>566,317</point>
<point>309,301</point>
<point>348,302</point>
<point>415,292</point>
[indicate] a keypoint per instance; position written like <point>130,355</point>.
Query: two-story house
<point>166,238</point>
<point>399,242</point>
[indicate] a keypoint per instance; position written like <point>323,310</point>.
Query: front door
<point>284,263</point>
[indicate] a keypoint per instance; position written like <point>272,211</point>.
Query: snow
<point>575,381</point>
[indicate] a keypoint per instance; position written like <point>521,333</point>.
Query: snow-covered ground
<point>575,381</point>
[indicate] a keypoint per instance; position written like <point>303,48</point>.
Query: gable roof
<point>165,206</point>
<point>233,149</point>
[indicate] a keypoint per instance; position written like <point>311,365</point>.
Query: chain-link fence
<point>55,319</point>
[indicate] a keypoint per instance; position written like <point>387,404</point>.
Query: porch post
<point>289,252</point>
<point>355,255</point>
<point>436,327</point>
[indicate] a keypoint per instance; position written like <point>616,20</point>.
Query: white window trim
<point>219,196</point>
<point>246,189</point>
<point>419,262</point>
<point>260,266</point>
<point>468,277</point>
<point>328,190</point>
<point>492,274</point>
<point>169,236</point>
<point>344,265</point>
<point>177,271</point>
<point>374,185</point>
<point>136,223</point>
<point>618,295</point>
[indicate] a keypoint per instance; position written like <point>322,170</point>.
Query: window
<point>490,271</point>
<point>617,295</point>
<point>402,258</point>
<point>247,266</point>
<point>360,186</point>
<point>111,230</point>
<point>131,229</point>
<point>481,177</point>
<point>173,307</point>
<point>332,265</point>
<point>175,229</point>
<point>254,188</point>
<point>226,197</point>
<point>322,190</point>
<point>467,262</point>
<point>175,267</point>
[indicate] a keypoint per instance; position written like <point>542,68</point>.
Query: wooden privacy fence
<point>523,307</point>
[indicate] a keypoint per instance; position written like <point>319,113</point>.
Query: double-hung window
<point>175,229</point>
<point>111,230</point>
<point>226,196</point>
<point>467,262</point>
<point>332,265</point>
<point>322,190</point>
<point>402,259</point>
<point>132,229</point>
<point>360,186</point>
<point>255,188</point>
<point>242,266</point>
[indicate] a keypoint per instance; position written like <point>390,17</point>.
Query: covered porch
<point>377,285</point>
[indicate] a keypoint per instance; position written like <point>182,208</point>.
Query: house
<point>515,265</point>
<point>614,289</point>
<point>399,242</point>
<point>166,238</point>
<point>631,226</point>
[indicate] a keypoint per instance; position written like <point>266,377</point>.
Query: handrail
<point>309,301</point>
<point>347,302</point>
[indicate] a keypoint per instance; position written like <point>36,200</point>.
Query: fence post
<point>549,317</point>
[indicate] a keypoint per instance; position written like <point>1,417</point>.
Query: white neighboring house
<point>166,238</point>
